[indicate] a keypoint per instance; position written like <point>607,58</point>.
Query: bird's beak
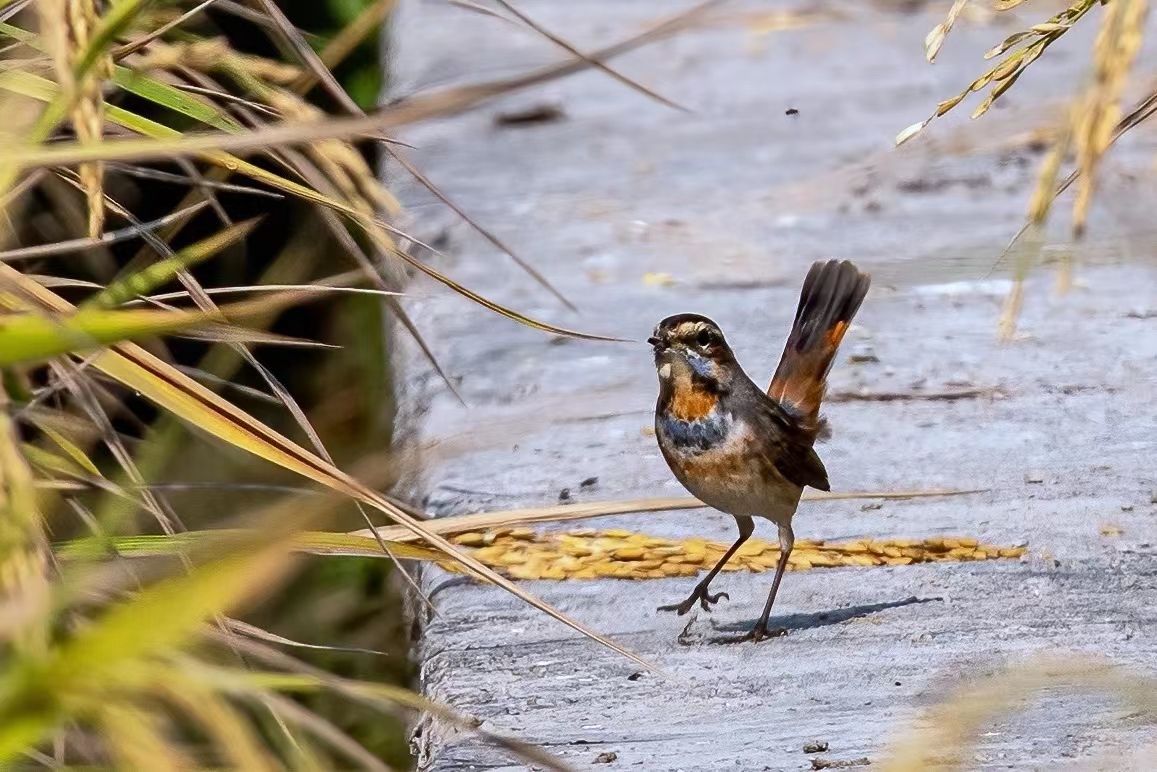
<point>657,344</point>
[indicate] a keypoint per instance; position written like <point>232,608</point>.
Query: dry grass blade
<point>325,731</point>
<point>481,10</point>
<point>1002,76</point>
<point>565,512</point>
<point>225,384</point>
<point>36,336</point>
<point>302,677</point>
<point>24,584</point>
<point>113,648</point>
<point>1042,199</point>
<point>570,49</point>
<point>351,35</point>
<point>137,739</point>
<point>311,288</point>
<point>936,37</point>
<point>201,183</point>
<point>337,228</point>
<point>312,542</point>
<point>256,17</point>
<point>392,694</point>
<point>486,234</point>
<point>11,8</point>
<point>136,45</point>
<point>239,336</point>
<point>949,731</point>
<point>1116,48</point>
<point>238,627</point>
<point>381,235</point>
<point>308,56</point>
<point>188,400</point>
<point>321,74</point>
<point>229,731</point>
<point>399,541</point>
<point>31,86</point>
<point>112,237</point>
<point>498,308</point>
<point>421,107</point>
<point>160,273</point>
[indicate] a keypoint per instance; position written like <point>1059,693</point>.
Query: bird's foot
<point>706,600</point>
<point>761,632</point>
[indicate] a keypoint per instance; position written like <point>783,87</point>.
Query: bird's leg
<point>786,542</point>
<point>700,594</point>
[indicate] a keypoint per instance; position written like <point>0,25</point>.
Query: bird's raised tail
<point>831,296</point>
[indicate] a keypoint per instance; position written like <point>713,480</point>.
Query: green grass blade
<point>40,88</point>
<point>71,448</point>
<point>311,542</point>
<point>418,108</point>
<point>36,337</point>
<point>159,273</point>
<point>118,18</point>
<point>146,87</point>
<point>176,100</point>
<point>51,463</point>
<point>165,616</point>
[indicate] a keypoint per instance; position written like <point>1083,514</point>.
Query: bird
<point>737,448</point>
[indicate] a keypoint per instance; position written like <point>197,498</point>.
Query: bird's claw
<point>679,608</point>
<point>705,599</point>
<point>761,632</point>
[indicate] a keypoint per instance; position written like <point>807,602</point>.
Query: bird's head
<point>691,347</point>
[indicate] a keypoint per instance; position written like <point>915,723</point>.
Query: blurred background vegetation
<point>345,392</point>
<point>193,343</point>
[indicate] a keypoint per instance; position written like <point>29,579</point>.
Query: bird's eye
<point>704,338</point>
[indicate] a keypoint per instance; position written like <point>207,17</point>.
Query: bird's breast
<point>694,436</point>
<point>690,404</point>
<point>720,461</point>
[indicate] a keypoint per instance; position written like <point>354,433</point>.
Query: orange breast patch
<point>691,404</point>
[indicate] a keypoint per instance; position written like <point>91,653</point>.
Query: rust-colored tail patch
<point>836,334</point>
<point>832,294</point>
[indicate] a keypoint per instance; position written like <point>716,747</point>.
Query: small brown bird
<point>736,448</point>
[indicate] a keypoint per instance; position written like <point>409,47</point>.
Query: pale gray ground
<point>733,201</point>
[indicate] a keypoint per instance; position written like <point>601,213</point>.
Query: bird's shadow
<point>739,632</point>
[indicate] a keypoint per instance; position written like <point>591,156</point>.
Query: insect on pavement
<point>739,449</point>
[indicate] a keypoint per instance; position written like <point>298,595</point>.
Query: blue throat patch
<point>702,367</point>
<point>704,434</point>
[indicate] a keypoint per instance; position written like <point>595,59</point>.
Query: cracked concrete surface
<point>636,211</point>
